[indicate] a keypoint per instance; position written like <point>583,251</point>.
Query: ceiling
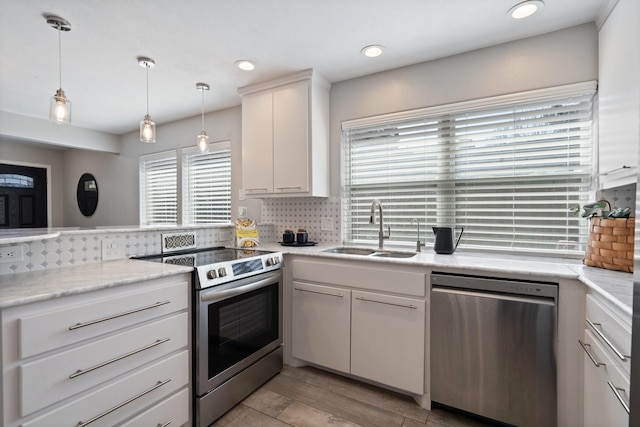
<point>195,41</point>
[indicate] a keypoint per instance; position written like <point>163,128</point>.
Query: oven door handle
<point>228,293</point>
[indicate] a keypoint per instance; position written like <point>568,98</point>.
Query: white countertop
<point>615,286</point>
<point>24,288</point>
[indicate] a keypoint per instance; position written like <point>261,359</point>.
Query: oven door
<point>236,324</point>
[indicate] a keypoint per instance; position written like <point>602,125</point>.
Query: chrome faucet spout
<point>381,235</point>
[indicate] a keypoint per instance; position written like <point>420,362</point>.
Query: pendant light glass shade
<point>147,126</point>
<point>60,106</point>
<point>202,139</point>
<point>147,130</point>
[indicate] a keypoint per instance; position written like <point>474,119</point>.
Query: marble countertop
<point>24,288</point>
<point>615,286</point>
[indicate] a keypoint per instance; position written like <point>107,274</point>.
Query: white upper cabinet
<point>285,137</point>
<point>619,96</point>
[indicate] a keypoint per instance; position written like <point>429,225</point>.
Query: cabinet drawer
<point>56,377</point>
<point>173,411</point>
<point>122,398</point>
<point>61,325</point>
<point>610,330</point>
<point>602,406</point>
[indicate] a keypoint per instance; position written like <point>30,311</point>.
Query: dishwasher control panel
<point>495,285</point>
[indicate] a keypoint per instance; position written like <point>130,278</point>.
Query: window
<point>158,189</point>
<point>206,185</point>
<point>506,168</point>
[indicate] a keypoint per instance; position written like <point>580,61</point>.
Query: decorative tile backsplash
<point>78,247</point>
<point>620,197</point>
<point>304,212</point>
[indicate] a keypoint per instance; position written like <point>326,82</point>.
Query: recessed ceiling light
<point>372,51</point>
<point>245,65</point>
<point>525,9</point>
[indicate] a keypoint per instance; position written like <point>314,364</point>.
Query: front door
<point>23,196</point>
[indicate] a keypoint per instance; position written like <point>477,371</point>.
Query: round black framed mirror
<point>87,194</point>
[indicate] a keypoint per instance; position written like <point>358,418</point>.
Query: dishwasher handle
<point>499,296</point>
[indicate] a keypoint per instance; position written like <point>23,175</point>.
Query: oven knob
<point>275,261</point>
<point>211,274</point>
<point>222,272</point>
<point>270,262</point>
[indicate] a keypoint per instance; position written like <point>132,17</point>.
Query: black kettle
<point>445,240</point>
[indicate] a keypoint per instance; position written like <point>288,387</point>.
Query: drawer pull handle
<point>289,188</point>
<point>606,340</point>
<point>164,425</point>
<point>413,307</point>
<point>593,359</point>
<point>126,402</point>
<point>616,391</point>
<point>321,293</point>
<point>115,359</point>
<point>115,316</point>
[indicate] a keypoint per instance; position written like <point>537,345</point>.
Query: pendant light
<point>147,126</point>
<point>60,106</point>
<point>203,139</point>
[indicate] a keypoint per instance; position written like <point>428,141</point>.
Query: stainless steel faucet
<point>419,244</point>
<point>381,235</point>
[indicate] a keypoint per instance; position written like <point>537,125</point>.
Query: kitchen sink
<point>369,252</point>
<point>350,251</point>
<point>393,254</point>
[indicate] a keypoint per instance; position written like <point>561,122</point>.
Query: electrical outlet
<point>112,249</point>
<point>242,212</point>
<point>11,254</point>
<point>326,223</point>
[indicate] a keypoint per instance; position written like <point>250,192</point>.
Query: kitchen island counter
<point>24,288</point>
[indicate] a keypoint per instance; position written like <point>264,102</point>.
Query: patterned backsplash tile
<point>77,248</point>
<point>304,212</point>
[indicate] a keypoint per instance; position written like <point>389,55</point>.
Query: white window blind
<point>158,189</point>
<point>207,185</point>
<point>507,169</point>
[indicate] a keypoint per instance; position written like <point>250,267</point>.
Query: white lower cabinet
<point>607,349</point>
<point>387,340</point>
<point>321,328</point>
<point>601,376</point>
<point>100,358</point>
<point>343,319</point>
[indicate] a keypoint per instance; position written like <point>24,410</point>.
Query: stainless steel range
<point>237,324</point>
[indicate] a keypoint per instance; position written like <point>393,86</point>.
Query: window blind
<point>507,172</point>
<point>158,189</point>
<point>207,185</point>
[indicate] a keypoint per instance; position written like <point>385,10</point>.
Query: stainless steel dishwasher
<point>493,348</point>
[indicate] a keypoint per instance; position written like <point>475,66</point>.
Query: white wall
<point>561,57</point>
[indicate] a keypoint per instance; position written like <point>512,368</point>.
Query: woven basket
<point>611,244</point>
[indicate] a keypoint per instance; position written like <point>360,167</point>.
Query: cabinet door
<point>601,406</point>
<point>257,143</point>
<point>320,324</point>
<point>387,340</point>
<point>291,138</point>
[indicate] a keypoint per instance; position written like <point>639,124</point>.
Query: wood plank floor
<point>309,397</point>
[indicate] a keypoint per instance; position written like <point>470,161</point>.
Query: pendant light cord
<point>202,90</point>
<point>59,54</point>
<point>147,67</point>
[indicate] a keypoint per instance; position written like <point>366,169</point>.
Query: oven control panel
<point>223,272</point>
